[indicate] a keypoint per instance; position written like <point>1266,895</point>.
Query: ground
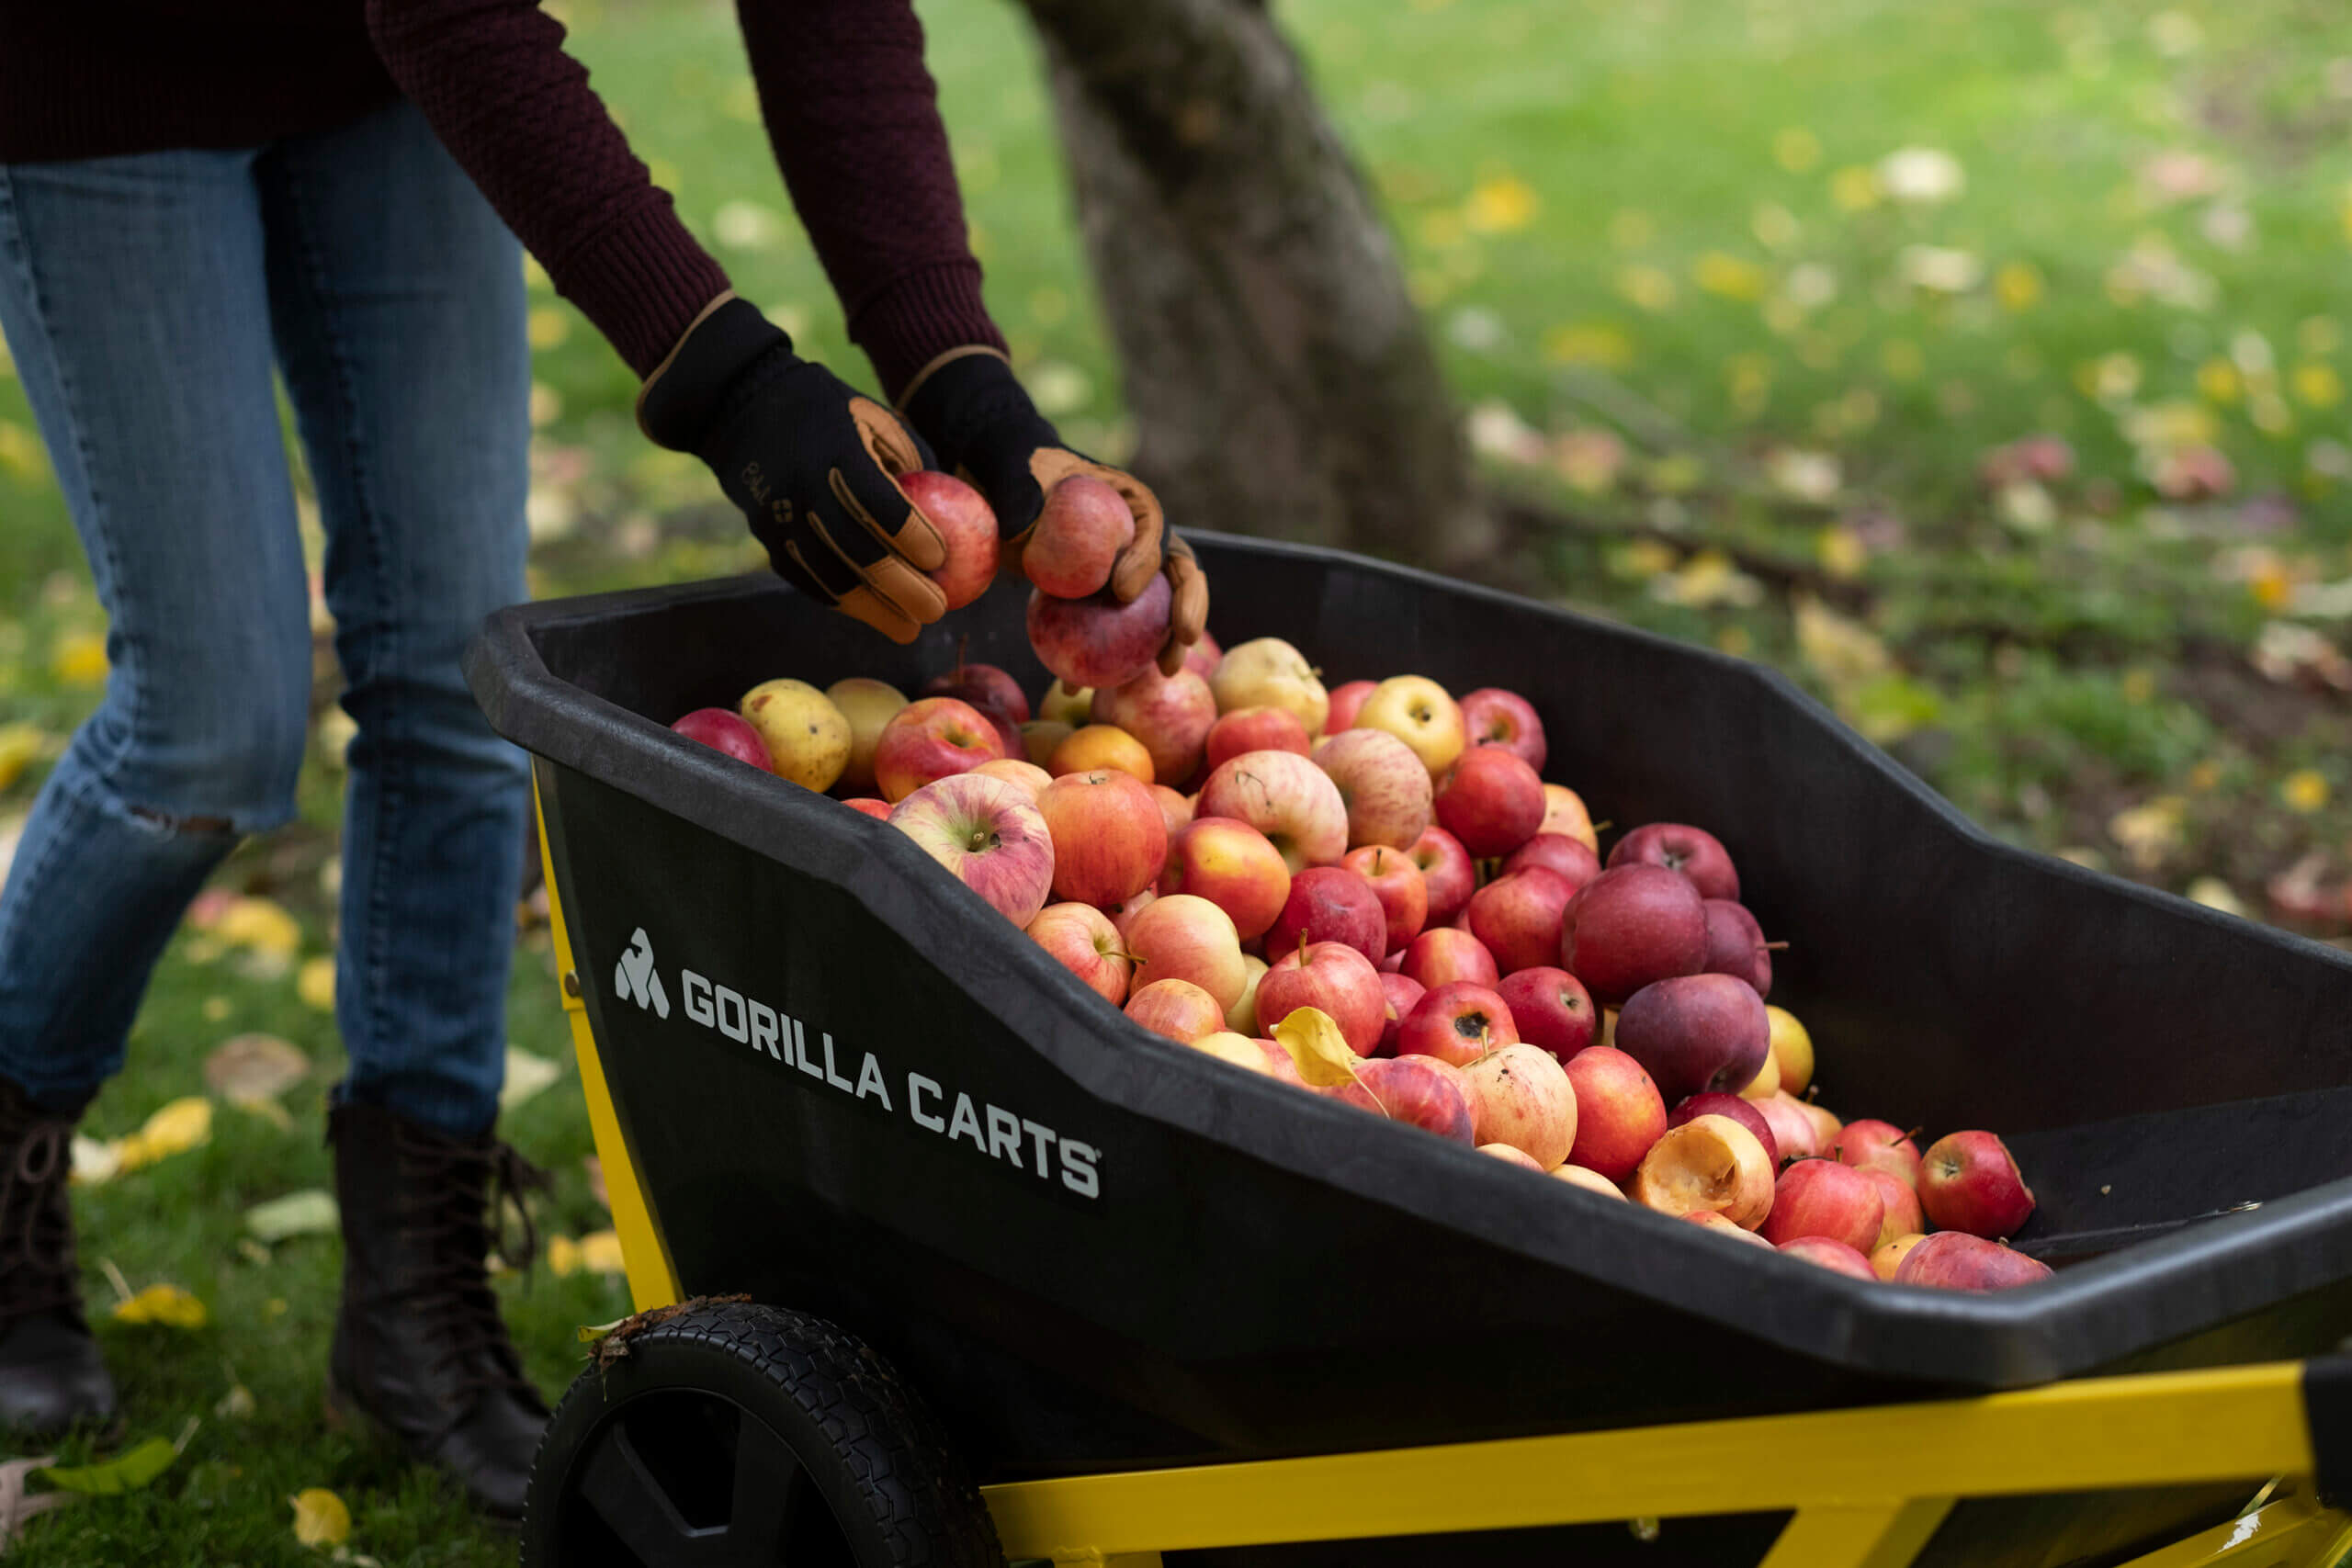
<point>1743,299</point>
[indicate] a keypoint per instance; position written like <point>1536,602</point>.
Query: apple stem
<point>1773,947</point>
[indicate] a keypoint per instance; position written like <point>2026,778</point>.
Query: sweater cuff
<point>642,280</point>
<point>920,316</point>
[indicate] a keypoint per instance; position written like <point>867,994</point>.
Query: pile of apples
<point>1248,863</point>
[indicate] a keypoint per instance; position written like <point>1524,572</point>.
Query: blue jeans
<point>146,299</point>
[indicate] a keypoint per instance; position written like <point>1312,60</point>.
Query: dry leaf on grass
<point>526,1075</point>
<point>319,1517</point>
<point>249,1067</point>
<point>311,1212</point>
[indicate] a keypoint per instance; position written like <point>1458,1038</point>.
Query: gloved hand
<point>968,405</point>
<point>811,462</point>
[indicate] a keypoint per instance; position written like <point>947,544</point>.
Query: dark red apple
<point>1330,903</point>
<point>723,729</point>
<point>1491,800</point>
<point>1715,1102</point>
<point>1097,641</point>
<point>1696,1033</point>
<point>1517,918</point>
<point>984,686</point>
<point>1571,858</point>
<point>1552,1008</point>
<point>1631,926</point>
<point>1695,852</point>
<point>1736,945</point>
<point>1492,716</point>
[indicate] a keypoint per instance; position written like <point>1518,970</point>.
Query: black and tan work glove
<point>812,462</point>
<point>972,410</point>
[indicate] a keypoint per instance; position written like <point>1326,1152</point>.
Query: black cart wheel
<point>748,1436</point>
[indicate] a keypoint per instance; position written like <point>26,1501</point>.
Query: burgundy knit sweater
<point>851,111</point>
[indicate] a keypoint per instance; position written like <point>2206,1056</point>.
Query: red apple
<point>1097,641</point>
<point>1696,1033</point>
<point>1736,945</point>
<point>1170,714</point>
<point>1717,1103</point>
<point>1028,775</point>
<point>1081,528</point>
<point>1255,730</point>
<point>1109,838</point>
<point>1559,853</point>
<point>1402,993</point>
<point>1330,903</point>
<point>1279,1065</point>
<point>1969,1182</point>
<point>1336,978</point>
<point>1519,1096</point>
<point>1491,800</point>
<point>1695,852</point>
<point>1832,1254</point>
<point>1457,1023</point>
<point>1496,717</point>
<point>1794,1133</point>
<point>1176,1009</point>
<point>1448,869</point>
<point>1712,1163</point>
<point>1122,914</point>
<point>1619,1111</point>
<point>1345,703</point>
<point>1552,1008</point>
<point>1715,1223</point>
<point>1288,799</point>
<point>1955,1260</point>
<point>1202,657</point>
<point>984,686</point>
<point>1084,942</point>
<point>1383,785</point>
<point>722,729</point>
<point>1630,925</point>
<point>1868,1142</point>
<point>1182,937</point>
<point>1820,1197</point>
<point>1517,918</point>
<point>932,739</point>
<point>990,835</point>
<point>1904,1214</point>
<point>967,525</point>
<point>1398,882</point>
<point>1175,811</point>
<point>1231,864</point>
<point>1414,1091</point>
<point>1443,956</point>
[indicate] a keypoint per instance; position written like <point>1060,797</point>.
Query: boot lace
<point>459,1196</point>
<point>37,1267</point>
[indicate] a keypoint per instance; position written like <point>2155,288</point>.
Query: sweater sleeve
<point>854,120</point>
<point>517,111</point>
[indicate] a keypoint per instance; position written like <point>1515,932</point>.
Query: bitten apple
<point>1448,870</point>
<point>1712,1163</point>
<point>1820,1197</point>
<point>1330,903</point>
<point>728,732</point>
<point>990,835</point>
<point>1084,942</point>
<point>1176,1009</point>
<point>1519,1096</point>
<point>1170,714</point>
<point>1109,841</point>
<point>1552,1008</point>
<point>1269,672</point>
<point>1695,852</point>
<point>806,737</point>
<point>1631,926</point>
<point>1517,918</point>
<point>1338,979</point>
<point>1457,1023</point>
<point>1491,800</point>
<point>1716,1103</point>
<point>932,739</point>
<point>1185,938</point>
<point>1968,1182</point>
<point>1286,797</point>
<point>1398,882</point>
<point>1232,865</point>
<point>1416,711</point>
<point>1097,641</point>
<point>1081,529</point>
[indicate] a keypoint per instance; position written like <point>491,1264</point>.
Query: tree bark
<point>1279,373</point>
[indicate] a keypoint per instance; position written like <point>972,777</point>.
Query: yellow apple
<point>807,736</point>
<point>1269,673</point>
<point>1416,711</point>
<point>1040,736</point>
<point>1791,1049</point>
<point>1564,813</point>
<point>1066,703</point>
<point>867,704</point>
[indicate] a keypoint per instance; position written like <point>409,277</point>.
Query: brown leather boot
<point>420,1349</point>
<point>52,1377</point>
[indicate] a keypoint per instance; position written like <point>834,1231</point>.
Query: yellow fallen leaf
<point>174,1129</point>
<point>2303,789</point>
<point>1842,651</point>
<point>601,1251</point>
<point>166,1307</point>
<point>93,1161</point>
<point>78,659</point>
<point>563,1257</point>
<point>1729,277</point>
<point>1501,206</point>
<point>19,745</point>
<point>314,983</point>
<point>260,924</point>
<point>319,1517</point>
<point>1313,1039</point>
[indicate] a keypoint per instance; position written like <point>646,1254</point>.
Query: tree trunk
<point>1278,372</point>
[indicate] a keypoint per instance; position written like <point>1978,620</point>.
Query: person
<point>191,197</point>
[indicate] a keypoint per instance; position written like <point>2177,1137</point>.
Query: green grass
<point>1626,222</point>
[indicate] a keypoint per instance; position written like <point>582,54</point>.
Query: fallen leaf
<point>1313,1039</point>
<point>20,744</point>
<point>319,1517</point>
<point>254,1066</point>
<point>78,659</point>
<point>18,1508</point>
<point>174,1129</point>
<point>237,1404</point>
<point>315,984</point>
<point>1841,651</point>
<point>166,1307</point>
<point>93,1161</point>
<point>131,1472</point>
<point>260,925</point>
<point>594,1170</point>
<point>526,1075</point>
<point>600,1252</point>
<point>2216,894</point>
<point>2304,790</point>
<point>311,1212</point>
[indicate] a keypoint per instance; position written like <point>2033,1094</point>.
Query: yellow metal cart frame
<point>1856,1499</point>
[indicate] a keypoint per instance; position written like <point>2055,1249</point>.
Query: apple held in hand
<point>1969,1182</point>
<point>1552,1008</point>
<point>932,739</point>
<point>1287,798</point>
<point>1712,1163</point>
<point>728,732</point>
<point>1955,1260</point>
<point>1866,1144</point>
<point>1695,852</point>
<point>1491,800</point>
<point>1416,711</point>
<point>1446,955</point>
<point>990,835</point>
<point>1517,918</point>
<point>1081,528</point>
<point>1696,1033</point>
<point>1337,979</point>
<point>1097,641</point>
<point>1109,839</point>
<point>1831,1254</point>
<point>1716,1103</point>
<point>1083,941</point>
<point>1403,995</point>
<point>1736,945</point>
<point>967,525</point>
<point>1170,714</point>
<point>1347,700</point>
<point>1448,873</point>
<point>1383,787</point>
<point>1492,716</point>
<point>1254,730</point>
<point>1177,1010</point>
<point>984,686</point>
<point>1820,1197</point>
<point>1269,672</point>
<point>1519,1096</point>
<point>1398,882</point>
<point>1619,1112</point>
<point>1566,858</point>
<point>1232,865</point>
<point>1457,1023</point>
<point>1630,926</point>
<point>1330,903</point>
<point>807,738</point>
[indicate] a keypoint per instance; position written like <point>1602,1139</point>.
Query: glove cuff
<point>688,391</point>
